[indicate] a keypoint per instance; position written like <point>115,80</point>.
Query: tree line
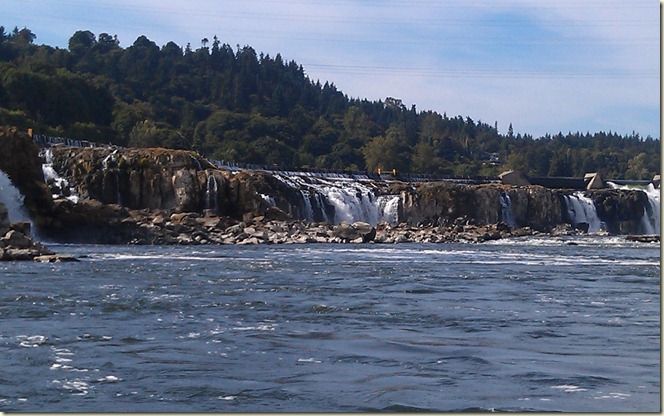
<point>235,104</point>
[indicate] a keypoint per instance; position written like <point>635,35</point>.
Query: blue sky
<point>543,65</point>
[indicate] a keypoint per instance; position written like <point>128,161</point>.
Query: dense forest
<point>236,105</point>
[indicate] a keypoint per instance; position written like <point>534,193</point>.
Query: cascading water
<point>389,208</point>
<point>506,213</point>
<point>308,210</point>
<point>211,192</point>
<point>111,162</point>
<point>651,216</point>
<point>51,176</point>
<point>650,222</point>
<point>351,200</point>
<point>321,203</point>
<point>581,210</point>
<point>11,197</point>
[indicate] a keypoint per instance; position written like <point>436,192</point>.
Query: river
<point>535,324</point>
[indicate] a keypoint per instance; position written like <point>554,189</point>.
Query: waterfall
<point>321,203</point>
<point>211,192</point>
<point>11,197</point>
<point>581,209</point>
<point>118,196</point>
<point>351,200</point>
<point>354,201</point>
<point>389,208</point>
<point>650,222</point>
<point>506,213</point>
<point>111,162</point>
<point>52,177</point>
<point>308,210</point>
<point>651,217</point>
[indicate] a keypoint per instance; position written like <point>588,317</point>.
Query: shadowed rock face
<point>442,203</point>
<point>134,178</point>
<point>621,210</point>
<point>182,181</point>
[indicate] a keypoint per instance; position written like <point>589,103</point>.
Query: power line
<point>480,73</point>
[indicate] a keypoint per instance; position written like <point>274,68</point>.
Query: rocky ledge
<point>16,243</point>
<point>192,228</point>
<point>643,238</point>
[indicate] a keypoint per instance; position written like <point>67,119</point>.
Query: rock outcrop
<point>16,243</point>
<point>440,203</point>
<point>621,210</point>
<point>160,196</point>
<point>192,228</point>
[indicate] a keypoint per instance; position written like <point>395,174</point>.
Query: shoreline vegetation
<point>239,105</point>
<point>174,107</point>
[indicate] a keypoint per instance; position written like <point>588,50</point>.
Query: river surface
<point>516,325</point>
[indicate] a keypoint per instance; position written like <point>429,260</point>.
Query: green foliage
<point>238,105</point>
<point>387,152</point>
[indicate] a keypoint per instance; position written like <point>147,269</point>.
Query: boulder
<point>345,231</point>
<point>22,227</point>
<point>16,240</point>
<point>361,231</point>
<point>55,258</point>
<point>19,254</point>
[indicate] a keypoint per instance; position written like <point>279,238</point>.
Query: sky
<point>544,66</point>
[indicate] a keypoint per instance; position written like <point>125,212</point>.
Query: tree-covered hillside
<point>235,104</point>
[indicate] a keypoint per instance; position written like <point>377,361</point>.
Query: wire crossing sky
<point>546,66</point>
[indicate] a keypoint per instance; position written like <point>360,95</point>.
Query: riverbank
<point>113,224</point>
<point>175,197</point>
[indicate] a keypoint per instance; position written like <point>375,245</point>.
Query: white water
<point>211,191</point>
<point>50,175</point>
<point>507,215</point>
<point>270,200</point>
<point>581,209</point>
<point>651,220</point>
<point>652,217</point>
<point>11,197</point>
<point>352,200</point>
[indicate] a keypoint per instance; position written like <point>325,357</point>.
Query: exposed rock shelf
<point>139,227</point>
<point>161,196</point>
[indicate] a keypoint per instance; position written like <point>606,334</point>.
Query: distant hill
<point>237,105</point>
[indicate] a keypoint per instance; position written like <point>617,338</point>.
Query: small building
<point>594,181</point>
<point>513,177</point>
